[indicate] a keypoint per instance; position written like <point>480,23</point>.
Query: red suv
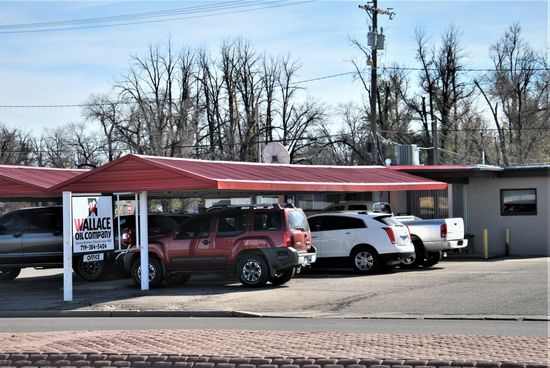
<point>258,244</point>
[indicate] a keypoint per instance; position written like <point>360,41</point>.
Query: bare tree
<point>298,120</point>
<point>347,146</point>
<point>443,81</point>
<point>394,115</point>
<point>109,114</point>
<point>199,105</point>
<point>517,93</point>
<point>16,146</point>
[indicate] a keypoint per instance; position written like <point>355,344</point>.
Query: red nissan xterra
<point>258,244</point>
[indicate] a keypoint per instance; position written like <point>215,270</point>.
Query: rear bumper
<point>394,258</point>
<point>446,245</point>
<point>284,258</point>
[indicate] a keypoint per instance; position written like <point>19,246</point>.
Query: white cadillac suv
<point>368,242</point>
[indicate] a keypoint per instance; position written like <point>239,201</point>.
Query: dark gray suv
<point>33,237</point>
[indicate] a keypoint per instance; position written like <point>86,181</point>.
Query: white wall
<point>530,235</point>
<point>398,201</point>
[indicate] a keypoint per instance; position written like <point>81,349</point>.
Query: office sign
<point>92,224</point>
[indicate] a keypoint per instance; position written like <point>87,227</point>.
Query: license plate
<point>93,257</point>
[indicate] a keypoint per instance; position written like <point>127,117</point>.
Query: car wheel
<point>90,271</point>
<point>432,258</point>
<point>283,276</point>
<point>155,272</point>
<point>415,259</point>
<point>9,274</point>
<point>253,271</point>
<point>365,260</point>
<point>177,279</point>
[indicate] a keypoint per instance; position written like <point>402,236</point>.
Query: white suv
<point>368,242</point>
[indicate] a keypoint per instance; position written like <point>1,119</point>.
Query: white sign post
<point>144,244</point>
<point>67,248</point>
<point>87,228</point>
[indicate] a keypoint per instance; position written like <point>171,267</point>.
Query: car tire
<point>253,271</point>
<point>283,276</point>
<point>178,279</point>
<point>90,271</point>
<point>9,274</point>
<point>415,260</point>
<point>365,260</point>
<point>155,272</point>
<point>432,258</point>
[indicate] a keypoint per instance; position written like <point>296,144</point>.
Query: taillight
<point>443,231</point>
<point>409,230</point>
<point>390,233</point>
<point>287,241</point>
<point>126,237</point>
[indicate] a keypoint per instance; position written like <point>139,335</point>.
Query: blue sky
<point>66,67</point>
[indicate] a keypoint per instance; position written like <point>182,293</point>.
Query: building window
<point>428,204</point>
<point>518,202</point>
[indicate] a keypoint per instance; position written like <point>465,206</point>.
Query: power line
<point>324,77</point>
<point>254,6</point>
<point>114,18</point>
<point>331,76</point>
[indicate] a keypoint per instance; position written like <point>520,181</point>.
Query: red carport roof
<point>21,181</point>
<point>134,173</point>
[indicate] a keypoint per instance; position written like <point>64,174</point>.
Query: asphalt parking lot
<point>499,288</point>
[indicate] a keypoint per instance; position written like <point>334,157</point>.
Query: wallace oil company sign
<point>92,224</point>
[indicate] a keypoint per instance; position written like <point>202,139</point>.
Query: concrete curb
<point>98,360</point>
<point>244,314</point>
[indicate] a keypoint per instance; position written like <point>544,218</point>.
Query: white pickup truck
<point>431,238</point>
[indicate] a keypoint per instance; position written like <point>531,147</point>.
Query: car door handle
<point>205,242</point>
<point>313,237</point>
<point>17,235</point>
<point>348,232</point>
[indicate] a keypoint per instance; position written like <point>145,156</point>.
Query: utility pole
<point>376,42</point>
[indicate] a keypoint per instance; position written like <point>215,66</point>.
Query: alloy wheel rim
<point>409,260</point>
<point>90,269</point>
<point>252,271</point>
<point>152,273</point>
<point>364,261</point>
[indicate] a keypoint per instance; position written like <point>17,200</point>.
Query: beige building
<point>488,198</point>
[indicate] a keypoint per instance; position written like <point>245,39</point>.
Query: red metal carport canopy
<point>134,173</point>
<point>26,181</point>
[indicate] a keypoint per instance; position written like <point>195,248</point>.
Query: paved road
<point>505,288</point>
<point>395,326</point>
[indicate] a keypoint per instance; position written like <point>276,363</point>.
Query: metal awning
<point>135,173</point>
<point>25,181</point>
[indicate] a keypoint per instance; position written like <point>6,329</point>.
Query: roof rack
<point>259,205</point>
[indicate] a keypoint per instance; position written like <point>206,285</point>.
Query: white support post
<point>67,247</point>
<point>144,243</point>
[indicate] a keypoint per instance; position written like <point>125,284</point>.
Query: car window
<point>315,223</point>
<point>44,221</point>
<point>342,223</point>
<point>357,207</point>
<point>297,220</point>
<point>231,225</point>
<point>388,220</point>
<point>267,221</point>
<point>160,225</point>
<point>12,222</point>
<point>195,228</point>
